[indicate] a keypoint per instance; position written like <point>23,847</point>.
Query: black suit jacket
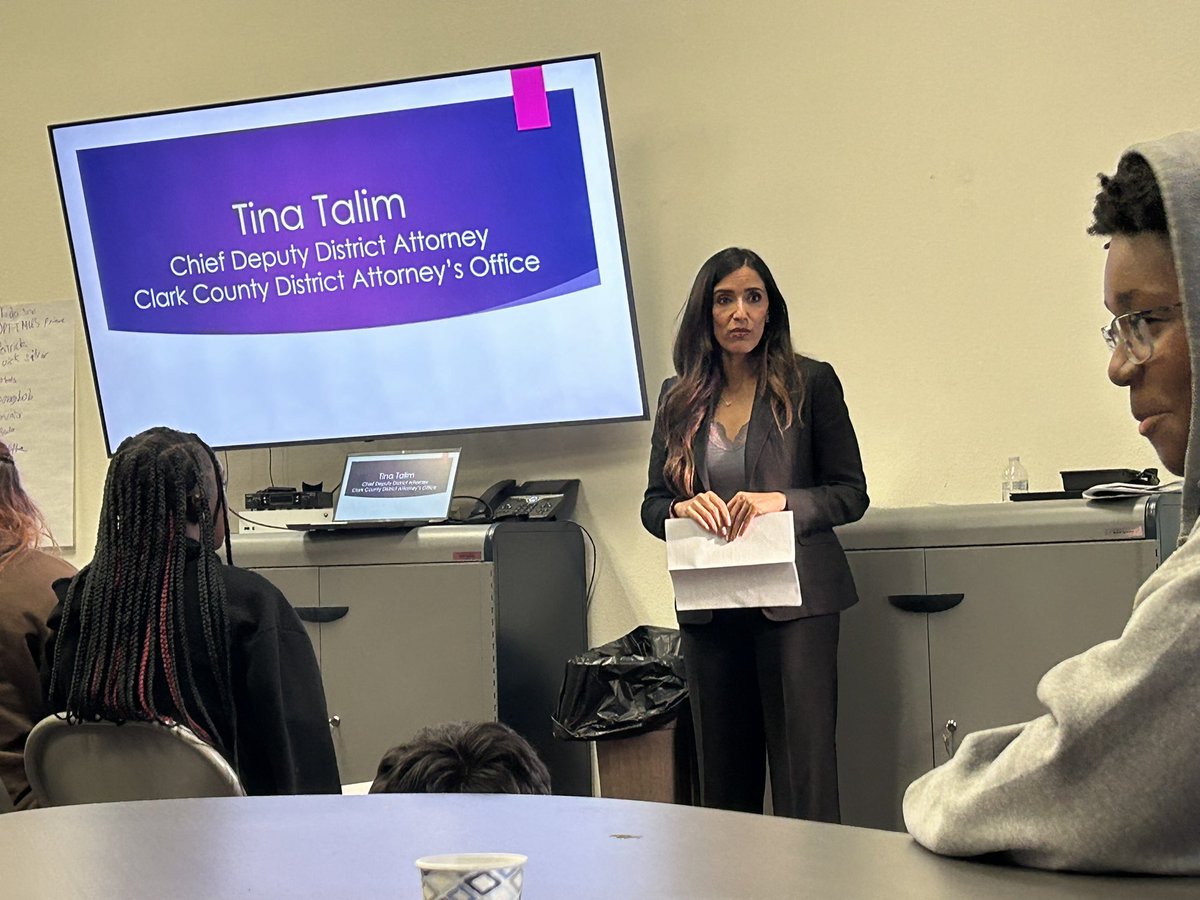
<point>815,463</point>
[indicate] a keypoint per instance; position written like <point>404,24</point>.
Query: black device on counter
<point>533,500</point>
<point>311,497</point>
<point>1084,479</point>
<point>1076,482</point>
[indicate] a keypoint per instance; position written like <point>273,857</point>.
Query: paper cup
<point>466,876</point>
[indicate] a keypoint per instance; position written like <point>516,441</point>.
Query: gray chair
<point>6,804</point>
<point>98,762</point>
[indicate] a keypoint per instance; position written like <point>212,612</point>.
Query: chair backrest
<point>6,804</point>
<point>97,762</point>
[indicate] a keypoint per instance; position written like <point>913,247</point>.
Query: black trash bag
<point>633,684</point>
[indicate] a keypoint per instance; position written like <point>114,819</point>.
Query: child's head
<point>463,758</point>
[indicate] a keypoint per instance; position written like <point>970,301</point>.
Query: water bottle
<point>1016,479</point>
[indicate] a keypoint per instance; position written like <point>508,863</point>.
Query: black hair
<point>697,358</point>
<point>1129,201</point>
<point>463,758</point>
<point>133,660</point>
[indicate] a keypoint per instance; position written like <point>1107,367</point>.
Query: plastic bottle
<point>1015,480</point>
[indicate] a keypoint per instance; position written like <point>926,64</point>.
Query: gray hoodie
<point>1109,777</point>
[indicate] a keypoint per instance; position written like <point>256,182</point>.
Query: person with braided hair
<point>156,628</point>
<point>26,599</point>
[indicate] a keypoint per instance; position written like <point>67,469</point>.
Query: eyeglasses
<point>1136,332</point>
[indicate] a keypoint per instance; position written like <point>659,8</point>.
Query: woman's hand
<point>745,506</point>
<point>708,510</point>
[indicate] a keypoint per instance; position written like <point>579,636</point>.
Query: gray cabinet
<point>884,715</point>
<point>1020,586</point>
<point>413,628</point>
<point>416,646</point>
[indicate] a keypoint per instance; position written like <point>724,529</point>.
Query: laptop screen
<point>402,486</point>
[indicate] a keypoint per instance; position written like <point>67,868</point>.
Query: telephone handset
<point>531,499</point>
<point>491,498</point>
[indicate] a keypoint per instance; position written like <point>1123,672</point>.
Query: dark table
<point>364,847</point>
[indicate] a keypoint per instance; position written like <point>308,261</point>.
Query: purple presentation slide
<point>366,221</point>
<point>435,255</point>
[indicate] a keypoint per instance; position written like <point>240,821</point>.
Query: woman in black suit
<point>749,427</point>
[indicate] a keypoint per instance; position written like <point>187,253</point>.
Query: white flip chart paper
<point>37,405</point>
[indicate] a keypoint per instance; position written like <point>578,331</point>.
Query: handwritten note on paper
<point>37,405</point>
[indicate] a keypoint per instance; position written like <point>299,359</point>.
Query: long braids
<point>132,617</point>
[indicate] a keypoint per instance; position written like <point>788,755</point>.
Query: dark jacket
<point>815,463</point>
<point>25,603</point>
<point>283,740</point>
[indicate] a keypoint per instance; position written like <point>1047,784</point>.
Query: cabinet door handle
<point>925,603</point>
<point>321,614</point>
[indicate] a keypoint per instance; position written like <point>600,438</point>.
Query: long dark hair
<point>22,526</point>
<point>133,627</point>
<point>697,357</point>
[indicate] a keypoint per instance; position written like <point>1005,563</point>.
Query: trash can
<point>630,696</point>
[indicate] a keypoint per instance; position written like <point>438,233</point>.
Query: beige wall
<point>919,176</point>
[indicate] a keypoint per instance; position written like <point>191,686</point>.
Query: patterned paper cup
<point>467,876</point>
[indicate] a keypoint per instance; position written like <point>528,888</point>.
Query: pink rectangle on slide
<point>529,98</point>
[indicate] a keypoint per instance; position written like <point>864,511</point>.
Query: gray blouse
<point>726,460</point>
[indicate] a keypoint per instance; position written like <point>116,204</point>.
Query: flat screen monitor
<point>427,256</point>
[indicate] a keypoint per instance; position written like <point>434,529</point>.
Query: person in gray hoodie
<point>1108,778</point>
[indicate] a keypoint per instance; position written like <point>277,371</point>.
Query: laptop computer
<point>400,489</point>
